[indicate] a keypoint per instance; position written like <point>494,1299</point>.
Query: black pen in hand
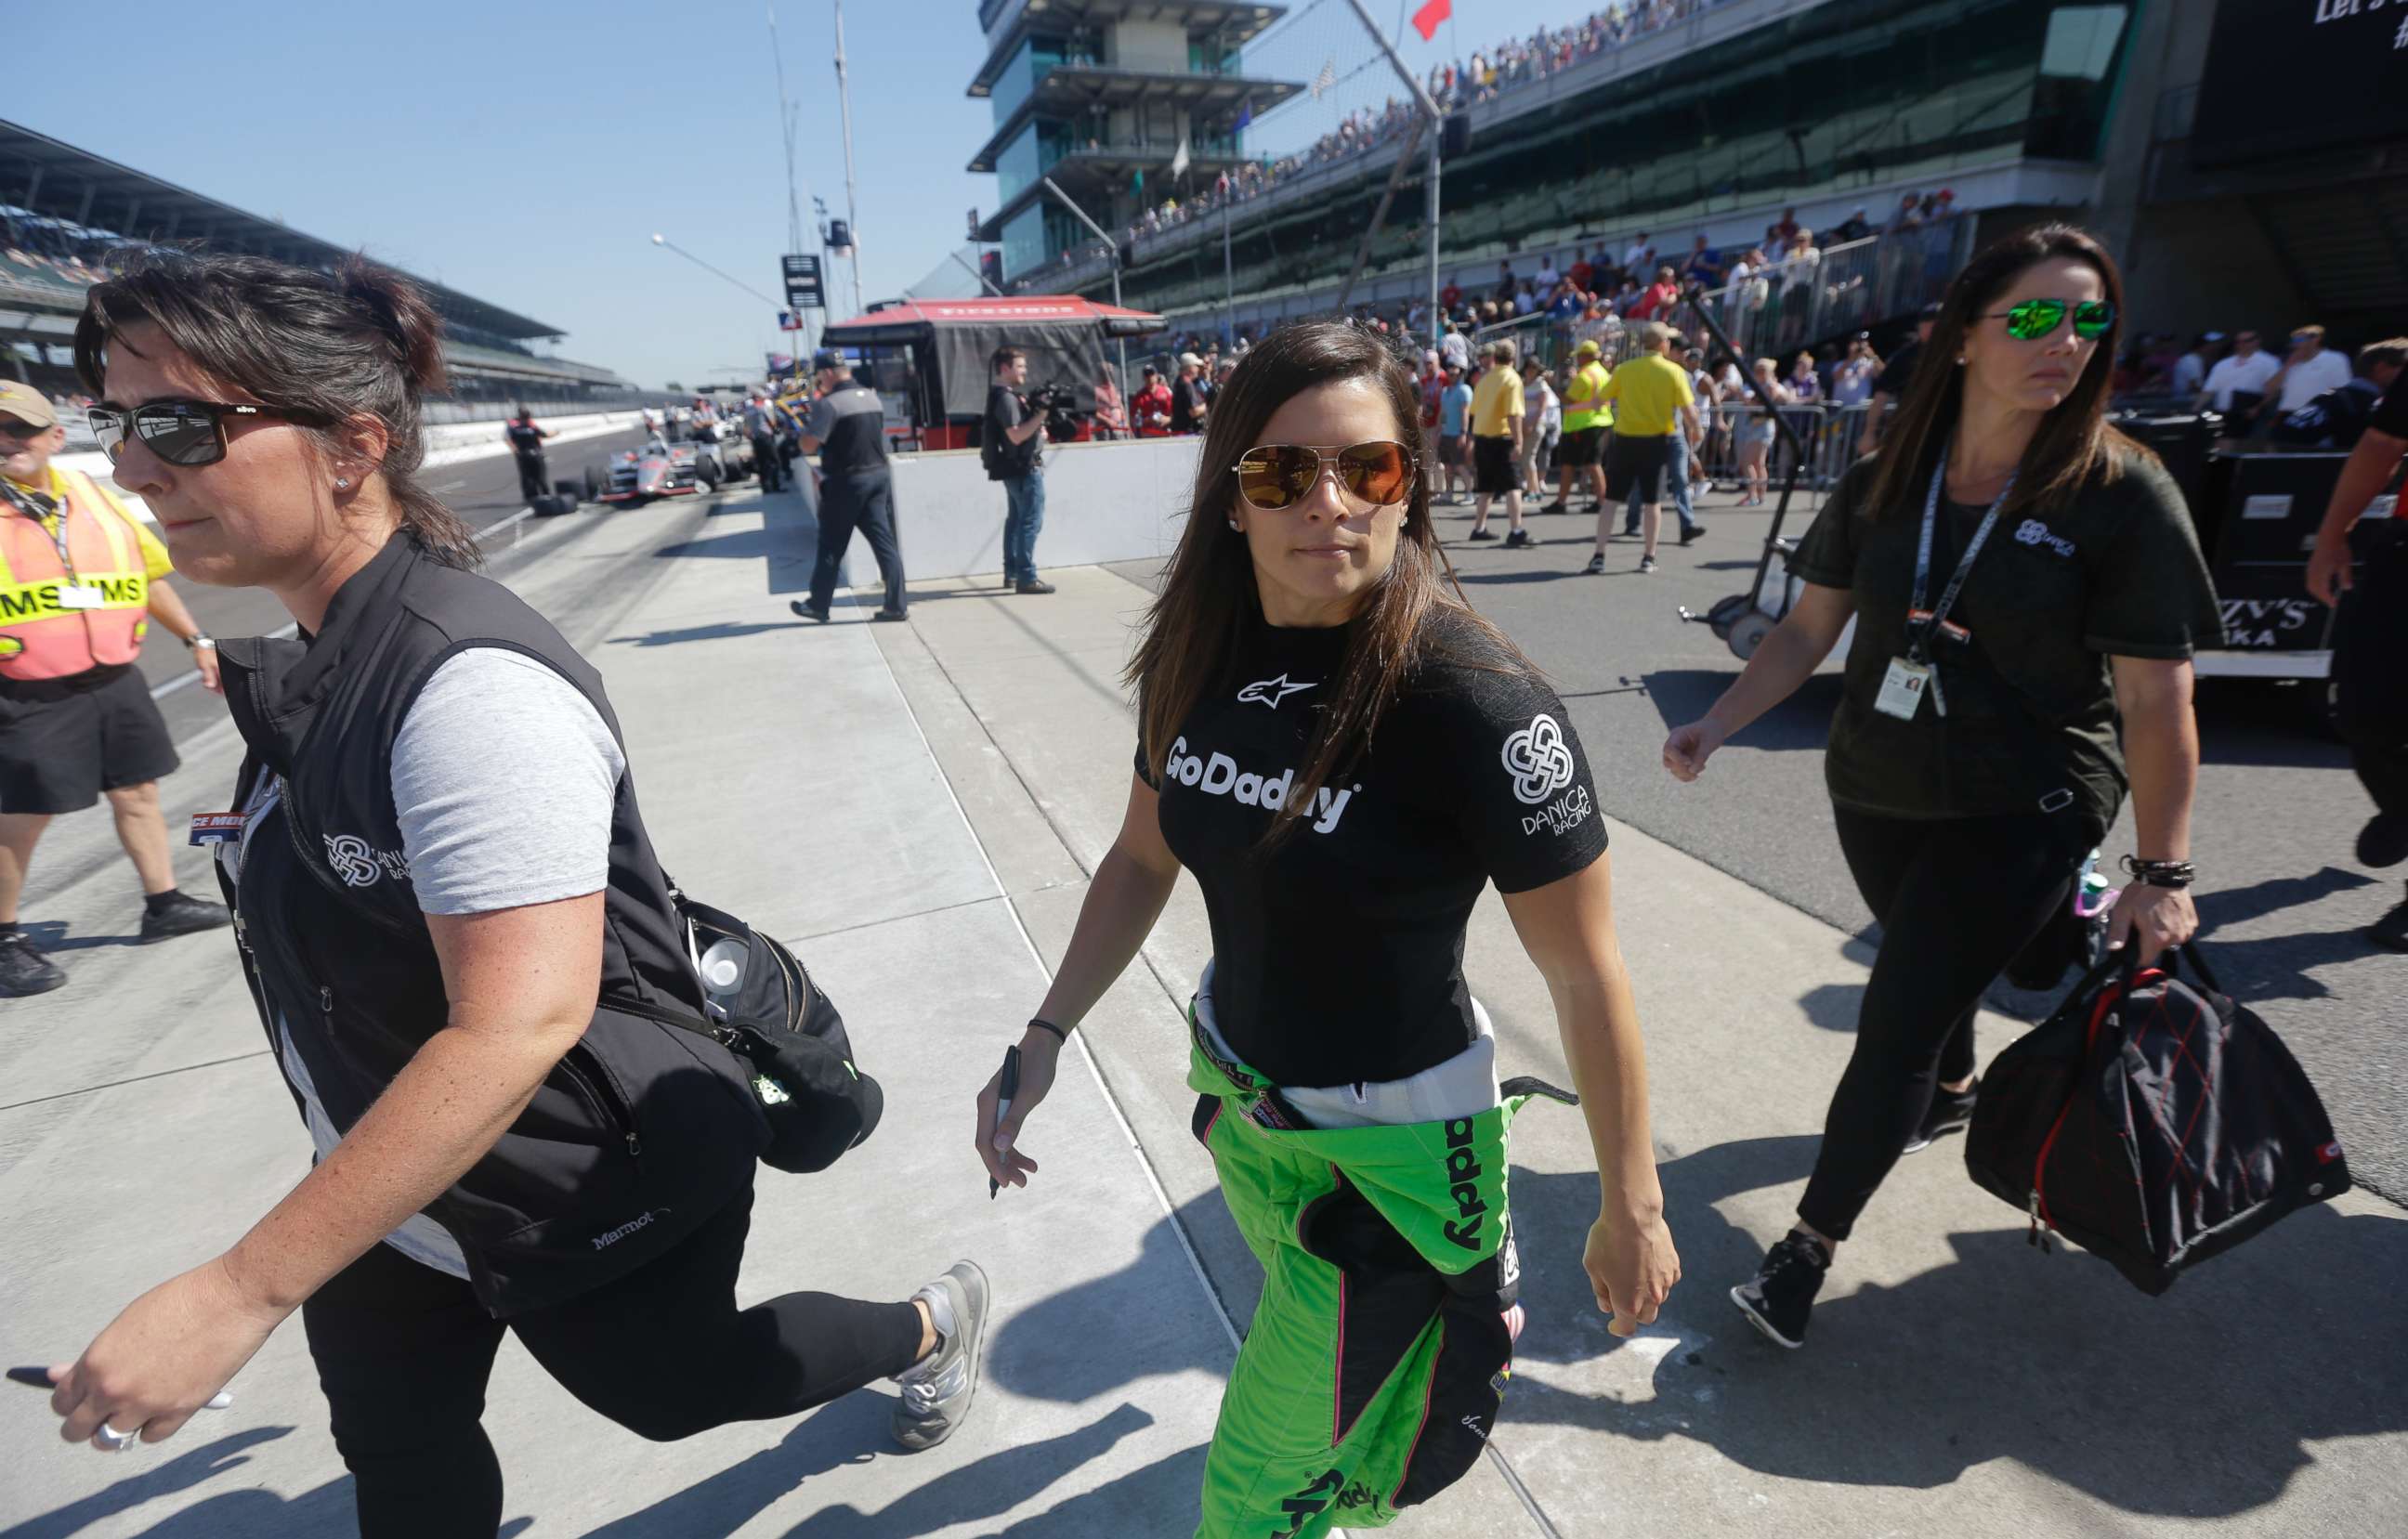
<point>1004,1093</point>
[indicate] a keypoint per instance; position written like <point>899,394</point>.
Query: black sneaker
<point>1689,535</point>
<point>1481,534</point>
<point>2391,930</point>
<point>1556,506</point>
<point>1779,1301</point>
<point>1033,585</point>
<point>1646,563</point>
<point>892,614</point>
<point>808,611</point>
<point>183,915</point>
<point>1595,567</point>
<point>1951,1111</point>
<point>1517,541</point>
<point>937,1390</point>
<point>26,971</point>
<point>2384,841</point>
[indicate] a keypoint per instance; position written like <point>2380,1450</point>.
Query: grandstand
<point>1708,116</point>
<point>64,212</point>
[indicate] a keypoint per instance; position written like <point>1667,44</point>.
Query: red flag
<point>1426,20</point>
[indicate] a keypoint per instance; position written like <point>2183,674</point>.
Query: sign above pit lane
<point>804,288</point>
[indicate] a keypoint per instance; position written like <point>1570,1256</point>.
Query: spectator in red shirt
<point>1433,386</point>
<point>1449,297</point>
<point>1582,275</point>
<point>1659,297</point>
<point>1152,408</point>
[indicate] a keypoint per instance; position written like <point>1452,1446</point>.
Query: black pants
<point>531,477</point>
<point>865,502</point>
<point>403,1353</point>
<point>767,463</point>
<point>1957,900</point>
<point>2371,670</point>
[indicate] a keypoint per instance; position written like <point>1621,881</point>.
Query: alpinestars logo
<point>1270,692</point>
<point>1539,760</point>
<point>359,864</point>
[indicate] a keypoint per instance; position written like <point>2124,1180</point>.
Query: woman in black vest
<point>438,869</point>
<point>2027,589</point>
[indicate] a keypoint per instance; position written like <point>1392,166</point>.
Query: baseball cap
<point>1189,361</point>
<point>1586,350</point>
<point>27,405</point>
<point>2211,336</point>
<point>827,358</point>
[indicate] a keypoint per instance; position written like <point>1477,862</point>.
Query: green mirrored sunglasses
<point>2037,318</point>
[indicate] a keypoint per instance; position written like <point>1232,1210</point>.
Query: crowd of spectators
<point>43,251</point>
<point>1486,75</point>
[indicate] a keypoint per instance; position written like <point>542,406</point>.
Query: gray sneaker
<point>937,1390</point>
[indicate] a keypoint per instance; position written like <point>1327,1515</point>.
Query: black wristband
<point>2160,873</point>
<point>1044,1025</point>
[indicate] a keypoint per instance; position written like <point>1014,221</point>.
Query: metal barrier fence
<point>1831,435</point>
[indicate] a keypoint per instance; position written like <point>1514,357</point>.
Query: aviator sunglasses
<point>1271,476</point>
<point>2037,318</point>
<point>181,432</point>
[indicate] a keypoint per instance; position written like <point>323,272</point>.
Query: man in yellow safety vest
<point>80,582</point>
<point>1587,418</point>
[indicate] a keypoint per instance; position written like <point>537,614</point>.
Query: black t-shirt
<point>1338,952</point>
<point>2391,416</point>
<point>1897,371</point>
<point>1006,409</point>
<point>2032,703</point>
<point>1185,398</point>
<point>525,438</point>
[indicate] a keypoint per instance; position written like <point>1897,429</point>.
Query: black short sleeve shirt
<point>1338,951</point>
<point>2032,703</point>
<point>2391,413</point>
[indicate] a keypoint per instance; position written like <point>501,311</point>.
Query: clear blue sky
<point>525,153</point>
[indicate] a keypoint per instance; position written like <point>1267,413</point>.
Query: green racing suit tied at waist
<point>1440,1184</point>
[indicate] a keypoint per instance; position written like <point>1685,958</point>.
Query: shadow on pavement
<point>743,545</point>
<point>2199,1403</point>
<point>51,936</point>
<point>723,631</point>
<point>1005,1478</point>
<point>181,1472</point>
<point>1802,721</point>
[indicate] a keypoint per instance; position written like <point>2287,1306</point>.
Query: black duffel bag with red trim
<point>2153,1121</point>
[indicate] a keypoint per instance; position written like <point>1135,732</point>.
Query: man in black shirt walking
<point>1889,387</point>
<point>527,443</point>
<point>1188,402</point>
<point>848,431</point>
<point>1012,449</point>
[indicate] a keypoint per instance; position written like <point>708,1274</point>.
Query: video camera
<point>1054,402</point>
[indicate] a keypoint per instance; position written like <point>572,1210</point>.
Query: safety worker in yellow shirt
<point>80,582</point>
<point>1587,418</point>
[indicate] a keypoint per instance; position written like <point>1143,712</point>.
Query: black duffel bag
<point>2153,1121</point>
<point>789,1037</point>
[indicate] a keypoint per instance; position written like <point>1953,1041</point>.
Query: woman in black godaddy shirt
<point>1344,755</point>
<point>1975,756</point>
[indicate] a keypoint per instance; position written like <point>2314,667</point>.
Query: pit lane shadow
<point>50,936</point>
<point>852,1432</point>
<point>1803,721</point>
<point>751,544</point>
<point>723,631</point>
<point>252,1511</point>
<point>2180,1413</point>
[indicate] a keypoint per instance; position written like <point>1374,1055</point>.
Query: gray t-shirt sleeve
<point>504,777</point>
<point>822,420</point>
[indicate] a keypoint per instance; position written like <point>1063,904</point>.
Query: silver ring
<point>119,1442</point>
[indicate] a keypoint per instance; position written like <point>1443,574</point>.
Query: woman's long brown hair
<point>2075,446</point>
<point>1209,597</point>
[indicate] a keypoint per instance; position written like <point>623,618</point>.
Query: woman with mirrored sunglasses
<point>1345,757</point>
<point>2026,589</point>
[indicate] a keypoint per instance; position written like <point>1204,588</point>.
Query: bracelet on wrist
<point>2160,873</point>
<point>199,639</point>
<point>1043,1025</point>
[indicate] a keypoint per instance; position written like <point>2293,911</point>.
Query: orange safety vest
<point>58,619</point>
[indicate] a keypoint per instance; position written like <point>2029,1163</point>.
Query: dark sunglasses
<point>1275,476</point>
<point>2037,318</point>
<point>181,432</point>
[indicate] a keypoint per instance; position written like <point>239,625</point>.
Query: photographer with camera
<point>1011,446</point>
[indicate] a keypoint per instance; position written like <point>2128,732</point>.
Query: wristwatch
<point>199,639</point>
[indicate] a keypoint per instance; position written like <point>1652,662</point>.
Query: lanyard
<point>1919,648</point>
<point>29,505</point>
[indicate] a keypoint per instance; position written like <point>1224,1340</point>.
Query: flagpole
<point>1437,132</point>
